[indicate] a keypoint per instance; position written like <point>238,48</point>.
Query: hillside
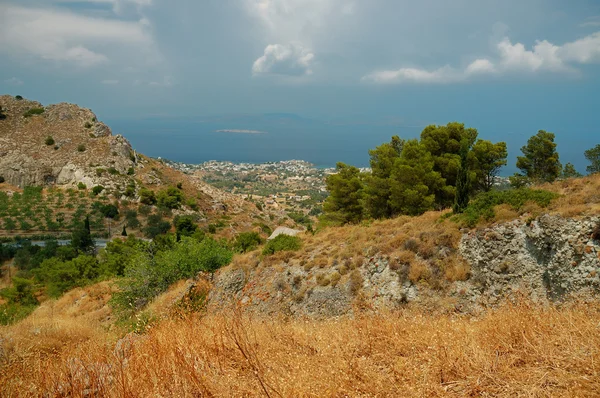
<point>67,151</point>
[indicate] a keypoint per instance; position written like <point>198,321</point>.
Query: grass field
<point>516,350</point>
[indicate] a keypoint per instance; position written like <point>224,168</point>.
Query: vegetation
<point>593,156</point>
<point>282,243</point>
<point>80,148</point>
<point>539,162</point>
<point>569,171</point>
<point>33,112</point>
<point>2,114</point>
<point>482,207</point>
<point>147,197</point>
<point>171,198</point>
<point>49,140</point>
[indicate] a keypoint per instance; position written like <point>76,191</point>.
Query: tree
<point>462,180</point>
<point>147,197</point>
<point>156,226</point>
<point>489,159</point>
<point>344,204</point>
<point>81,238</point>
<point>444,143</point>
<point>540,161</point>
<point>185,225</point>
<point>170,198</point>
<point>414,180</point>
<point>569,171</point>
<point>377,184</point>
<point>593,156</point>
<point>124,232</point>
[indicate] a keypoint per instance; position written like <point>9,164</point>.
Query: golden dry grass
<point>517,350</point>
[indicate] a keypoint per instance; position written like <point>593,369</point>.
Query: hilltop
<point>66,150</point>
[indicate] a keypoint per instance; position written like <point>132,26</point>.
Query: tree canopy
<point>593,156</point>
<point>540,158</point>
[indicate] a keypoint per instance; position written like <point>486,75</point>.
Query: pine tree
<point>462,180</point>
<point>540,161</point>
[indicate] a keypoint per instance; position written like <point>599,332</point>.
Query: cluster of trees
<point>443,169</point>
<point>413,176</point>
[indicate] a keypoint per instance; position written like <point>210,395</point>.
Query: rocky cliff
<point>59,144</point>
<point>548,259</point>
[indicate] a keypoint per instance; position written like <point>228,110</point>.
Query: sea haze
<point>257,139</point>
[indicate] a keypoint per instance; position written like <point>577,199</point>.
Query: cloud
<point>290,59</point>
<point>14,81</point>
<point>511,58</point>
<point>167,81</point>
<point>591,22</point>
<point>110,82</point>
<point>67,37</point>
<point>119,7</point>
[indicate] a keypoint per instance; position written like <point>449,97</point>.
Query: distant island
<point>241,131</point>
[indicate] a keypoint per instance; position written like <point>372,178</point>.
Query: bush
<point>130,171</point>
<point>170,198</point>
<point>147,197</point>
<point>247,241</point>
<point>483,204</point>
<point>97,189</point>
<point>33,112</point>
<point>185,225</point>
<point>18,98</point>
<point>2,179</point>
<point>113,171</point>
<point>282,243</point>
<point>49,140</point>
<point>109,211</point>
<point>81,186</point>
<point>149,276</point>
<point>88,125</point>
<point>156,226</point>
<point>81,148</point>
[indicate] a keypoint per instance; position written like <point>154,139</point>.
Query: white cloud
<point>118,6</point>
<point>110,82</point>
<point>290,59</point>
<point>64,36</point>
<point>14,81</point>
<point>591,22</point>
<point>167,81</point>
<point>511,58</point>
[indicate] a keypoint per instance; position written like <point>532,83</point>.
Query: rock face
<point>62,145</point>
<point>549,258</point>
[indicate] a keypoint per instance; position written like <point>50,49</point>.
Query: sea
<point>252,139</point>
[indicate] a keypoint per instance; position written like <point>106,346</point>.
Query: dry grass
<point>517,350</point>
<point>579,196</point>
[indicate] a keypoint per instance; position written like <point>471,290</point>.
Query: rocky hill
<point>65,146</point>
<point>548,254</point>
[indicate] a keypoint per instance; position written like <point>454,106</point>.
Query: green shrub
<point>18,98</point>
<point>185,225</point>
<point>80,148</point>
<point>130,171</point>
<point>100,171</point>
<point>156,226</point>
<point>483,204</point>
<point>81,186</point>
<point>97,189</point>
<point>113,171</point>
<point>147,276</point>
<point>2,179</point>
<point>33,112</point>
<point>147,197</point>
<point>49,140</point>
<point>88,125</point>
<point>282,243</point>
<point>11,312</point>
<point>170,198</point>
<point>247,241</point>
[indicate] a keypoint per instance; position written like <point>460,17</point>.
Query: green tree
<point>463,187</point>
<point>414,180</point>
<point>377,185</point>
<point>593,156</point>
<point>443,143</point>
<point>488,160</point>
<point>81,238</point>
<point>246,241</point>
<point>147,197</point>
<point>344,204</point>
<point>185,225</point>
<point>156,226</point>
<point>170,198</point>
<point>569,171</point>
<point>540,161</point>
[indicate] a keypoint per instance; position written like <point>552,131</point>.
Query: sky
<point>505,67</point>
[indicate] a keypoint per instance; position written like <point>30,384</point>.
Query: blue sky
<point>506,67</point>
